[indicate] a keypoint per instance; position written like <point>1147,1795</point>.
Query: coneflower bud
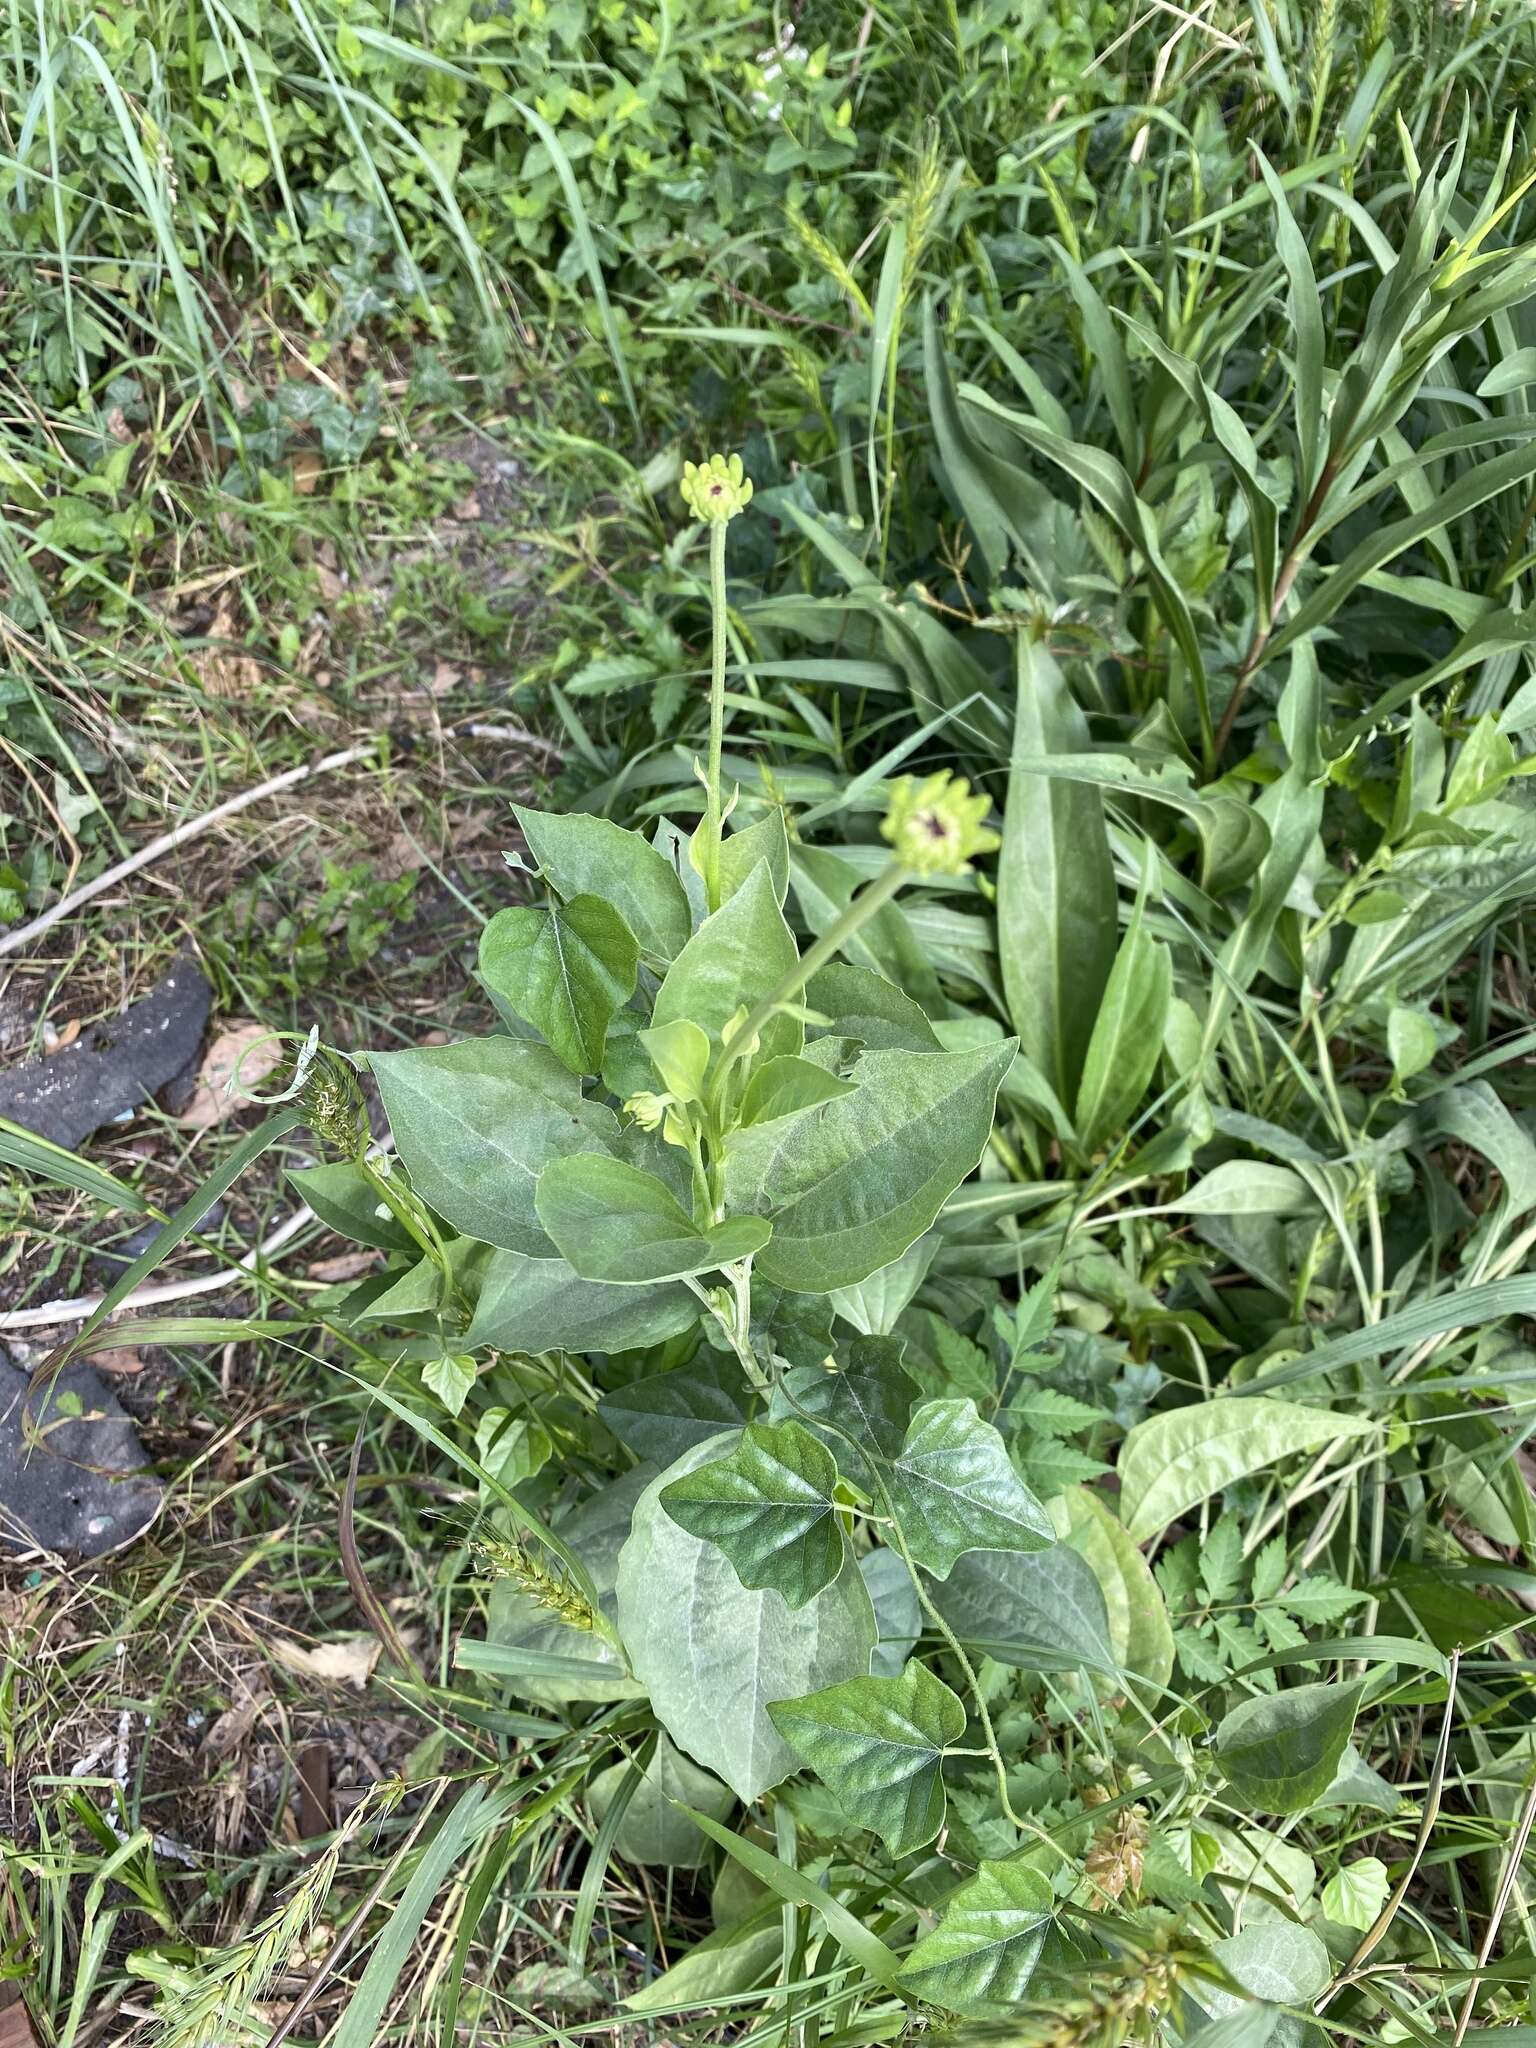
<point>716,489</point>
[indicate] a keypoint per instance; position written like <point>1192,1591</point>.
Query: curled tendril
<point>325,1081</point>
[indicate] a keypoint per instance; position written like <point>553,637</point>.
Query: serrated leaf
<point>1172,1462</point>
<point>564,970</point>
<point>624,1228</point>
<point>768,1504</point>
<point>979,1959</point>
<point>878,1745</point>
<point>953,1489</point>
<point>712,1654</point>
<point>1281,1752</point>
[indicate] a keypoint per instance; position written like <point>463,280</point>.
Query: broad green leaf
<point>868,1400</point>
<point>730,1960</point>
<point>1357,1783</point>
<point>1038,1611</point>
<point>544,1305</point>
<point>898,1613</point>
<point>585,856</point>
<point>875,1306</point>
<point>1280,1751</point>
<point>858,1003</point>
<point>652,1829</point>
<point>1475,1115</point>
<point>851,1184</point>
<point>1056,899</point>
<point>1140,1632</point>
<point>341,1197</point>
<point>622,1227</point>
<point>595,1531</point>
<point>476,1123</point>
<point>564,970</point>
<point>1171,1462</point>
<point>1356,1893</point>
<point>768,1504</point>
<point>1276,1960</point>
<point>786,1084</point>
<point>668,1413</point>
<point>416,1291</point>
<point>680,1054</point>
<point>1245,1187</point>
<point>740,853</point>
<point>979,1959</point>
<point>450,1378</point>
<point>878,1745</point>
<point>734,959</point>
<point>953,1488</point>
<point>1127,1040</point>
<point>712,1654</point>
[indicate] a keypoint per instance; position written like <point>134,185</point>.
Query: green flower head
<point>647,1109</point>
<point>934,826</point>
<point>716,490</point>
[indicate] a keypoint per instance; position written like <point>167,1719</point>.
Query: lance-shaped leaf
<point>769,1506</point>
<point>953,1489</point>
<point>979,1959</point>
<point>617,1224</point>
<point>878,1745</point>
<point>564,971</point>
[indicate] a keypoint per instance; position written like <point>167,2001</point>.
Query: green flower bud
<point>717,489</point>
<point>647,1110</point>
<point>934,826</point>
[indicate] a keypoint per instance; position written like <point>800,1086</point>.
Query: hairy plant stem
<point>717,620</point>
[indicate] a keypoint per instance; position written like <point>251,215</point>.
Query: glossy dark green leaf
<point>667,1413</point>
<point>768,1504</point>
<point>979,1959</point>
<point>878,1745</point>
<point>868,1400</point>
<point>953,1488</point>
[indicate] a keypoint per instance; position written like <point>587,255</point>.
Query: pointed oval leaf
<point>563,970</point>
<point>734,958</point>
<point>768,1504</point>
<point>585,856</point>
<point>850,1185</point>
<point>623,1227</point>
<point>1283,1750</point>
<point>878,1746</point>
<point>1038,1611</point>
<point>712,1655</point>
<point>653,1829</point>
<point>953,1488</point>
<point>544,1305</point>
<point>1172,1462</point>
<point>475,1124</point>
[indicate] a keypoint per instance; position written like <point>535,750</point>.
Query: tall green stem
<point>712,814</point>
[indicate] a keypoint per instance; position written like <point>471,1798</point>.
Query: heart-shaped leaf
<point>953,1489</point>
<point>768,1504</point>
<point>878,1745</point>
<point>563,970</point>
<point>1282,1750</point>
<point>619,1225</point>
<point>979,1959</point>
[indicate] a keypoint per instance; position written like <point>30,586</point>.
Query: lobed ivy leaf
<point>667,1413</point>
<point>564,970</point>
<point>623,1227</point>
<point>878,1745</point>
<point>768,1504</point>
<point>869,1400</point>
<point>953,1488</point>
<point>979,1959</point>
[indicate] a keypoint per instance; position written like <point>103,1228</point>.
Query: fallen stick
<point>12,942</point>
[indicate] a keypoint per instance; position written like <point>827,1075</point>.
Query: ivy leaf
<point>768,1504</point>
<point>878,1745</point>
<point>869,1400</point>
<point>1282,1752</point>
<point>625,1228</point>
<point>953,1489</point>
<point>1355,1895</point>
<point>563,970</point>
<point>979,1959</point>
<point>667,1413</point>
